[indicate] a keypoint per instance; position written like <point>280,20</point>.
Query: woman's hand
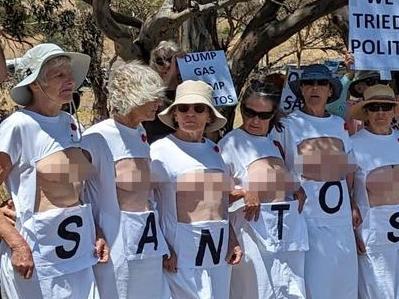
<point>22,259</point>
<point>8,210</point>
<point>252,206</point>
<point>356,215</point>
<point>300,196</point>
<point>234,255</point>
<point>234,252</point>
<point>170,262</point>
<point>102,249</point>
<point>360,247</point>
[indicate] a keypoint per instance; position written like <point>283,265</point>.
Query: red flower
<point>74,127</point>
<point>144,138</point>
<point>216,148</point>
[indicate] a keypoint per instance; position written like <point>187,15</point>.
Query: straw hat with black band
<point>193,92</point>
<point>374,94</point>
<point>32,63</point>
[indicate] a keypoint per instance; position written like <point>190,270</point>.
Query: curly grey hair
<point>133,84</point>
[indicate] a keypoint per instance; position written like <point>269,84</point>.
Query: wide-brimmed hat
<point>374,94</point>
<point>33,61</point>
<point>193,92</point>
<point>359,77</point>
<point>317,72</point>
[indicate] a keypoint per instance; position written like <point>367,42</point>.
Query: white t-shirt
<point>372,151</point>
<point>240,149</point>
<point>327,203</point>
<point>28,137</point>
<point>117,142</point>
<point>172,157</point>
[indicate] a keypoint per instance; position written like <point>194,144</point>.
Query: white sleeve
<point>10,140</point>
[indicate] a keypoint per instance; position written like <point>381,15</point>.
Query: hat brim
<point>362,77</point>
<point>334,82</point>
<point>80,64</point>
<point>357,110</point>
<point>167,118</point>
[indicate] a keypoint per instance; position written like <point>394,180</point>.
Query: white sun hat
<point>32,62</point>
<point>194,92</point>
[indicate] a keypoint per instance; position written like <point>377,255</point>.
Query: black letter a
<point>148,239</point>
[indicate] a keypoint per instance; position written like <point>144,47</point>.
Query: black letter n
<point>206,239</point>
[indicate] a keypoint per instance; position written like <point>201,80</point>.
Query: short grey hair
<point>50,64</point>
<point>131,85</point>
<point>165,49</point>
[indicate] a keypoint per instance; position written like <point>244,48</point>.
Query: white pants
<point>200,283</point>
<point>134,279</point>
<point>378,273</point>
<point>331,263</point>
<point>263,274</point>
<point>72,286</point>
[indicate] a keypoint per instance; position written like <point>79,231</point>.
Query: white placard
<point>289,102</point>
<point>210,67</point>
<point>373,34</point>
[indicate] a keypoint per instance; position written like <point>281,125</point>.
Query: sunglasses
<point>198,108</point>
<point>248,112</point>
<point>374,81</point>
<point>375,107</point>
<point>163,60</point>
<point>322,82</point>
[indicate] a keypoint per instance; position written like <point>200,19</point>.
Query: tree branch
<point>256,41</point>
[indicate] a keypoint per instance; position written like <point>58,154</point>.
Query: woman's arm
<point>21,255</point>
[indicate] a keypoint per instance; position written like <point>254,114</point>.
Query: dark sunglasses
<point>375,107</point>
<point>374,81</point>
<point>162,60</point>
<point>198,108</point>
<point>248,112</point>
<point>322,82</point>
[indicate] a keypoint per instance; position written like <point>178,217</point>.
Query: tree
<point>272,24</point>
<point>136,27</point>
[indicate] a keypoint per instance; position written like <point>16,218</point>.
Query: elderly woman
<point>128,217</point>
<point>316,148</point>
<point>274,239</point>
<point>376,191</point>
<point>192,194</point>
<point>49,253</point>
<point>163,61</point>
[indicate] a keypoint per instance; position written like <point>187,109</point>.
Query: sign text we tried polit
<point>373,33</point>
<point>210,67</point>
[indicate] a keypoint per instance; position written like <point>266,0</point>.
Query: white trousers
<point>331,263</point>
<point>200,283</point>
<point>134,279</point>
<point>379,273</point>
<point>69,286</point>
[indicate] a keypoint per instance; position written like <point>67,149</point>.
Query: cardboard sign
<point>373,34</point>
<point>289,102</point>
<point>210,67</point>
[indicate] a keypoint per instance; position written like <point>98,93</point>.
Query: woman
<point>49,254</point>
<point>128,217</point>
<point>316,148</point>
<point>192,194</point>
<point>273,239</point>
<point>376,191</point>
<point>163,61</point>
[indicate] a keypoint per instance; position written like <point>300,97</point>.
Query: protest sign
<point>289,102</point>
<point>373,34</point>
<point>210,67</point>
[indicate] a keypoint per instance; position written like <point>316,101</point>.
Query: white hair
<point>55,62</point>
<point>133,84</point>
